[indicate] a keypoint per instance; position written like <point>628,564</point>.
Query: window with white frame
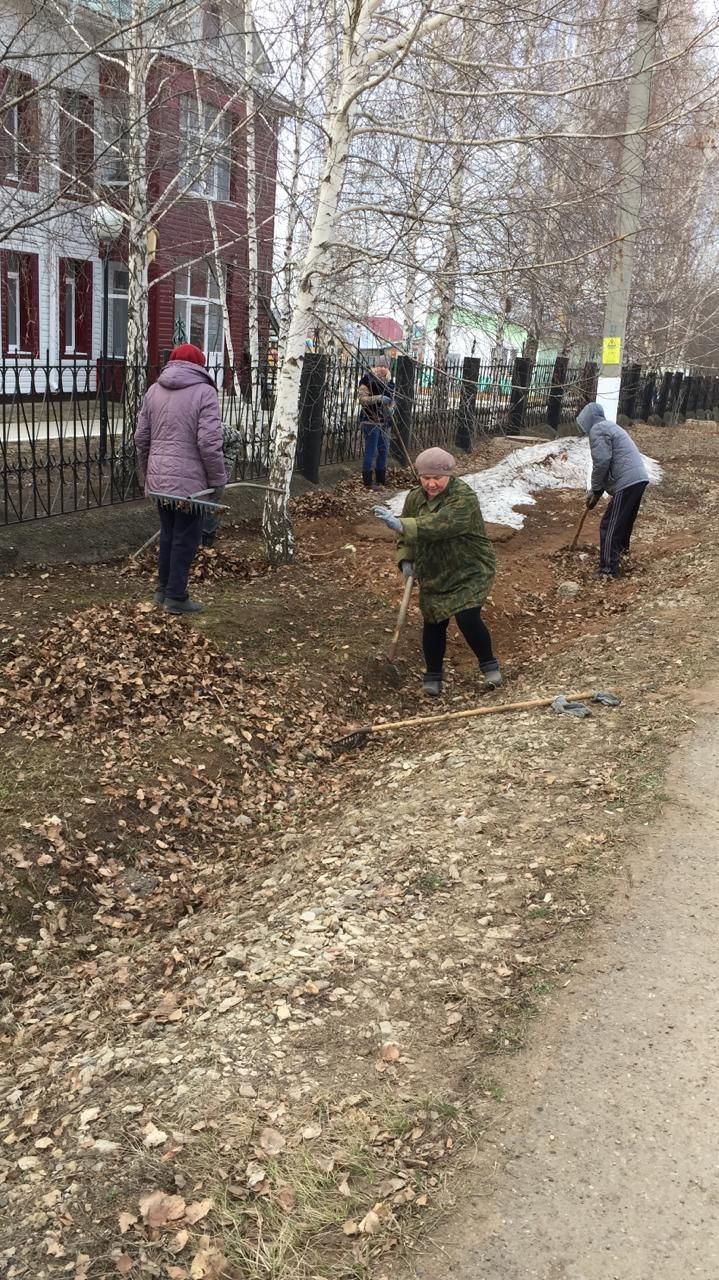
<point>118,284</point>
<point>14,303</point>
<point>198,310</point>
<point>205,150</point>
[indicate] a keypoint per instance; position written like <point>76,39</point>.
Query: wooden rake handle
<point>496,709</point>
<point>401,619</point>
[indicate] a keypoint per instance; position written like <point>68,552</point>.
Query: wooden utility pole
<point>634,152</point>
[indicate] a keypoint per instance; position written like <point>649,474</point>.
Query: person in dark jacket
<point>376,397</point>
<point>178,442</point>
<point>617,469</point>
<point>442,542</point>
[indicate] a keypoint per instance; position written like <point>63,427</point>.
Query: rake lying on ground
<point>357,737</point>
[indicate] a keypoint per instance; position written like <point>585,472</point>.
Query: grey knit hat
<point>435,462</point>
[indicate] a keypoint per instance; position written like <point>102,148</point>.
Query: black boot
<point>367,479</point>
<point>381,478</point>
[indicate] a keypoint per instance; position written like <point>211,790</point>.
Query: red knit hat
<point>188,351</point>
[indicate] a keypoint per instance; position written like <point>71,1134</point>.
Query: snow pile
<point>554,464</point>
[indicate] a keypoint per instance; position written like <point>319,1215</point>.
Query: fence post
<point>312,396</point>
<point>650,383</point>
<point>403,408</point>
<point>673,407</point>
<point>521,378</point>
<point>631,375</point>
<point>588,381</point>
<point>664,390</point>
<point>556,392</point>
<point>467,403</point>
<point>693,396</point>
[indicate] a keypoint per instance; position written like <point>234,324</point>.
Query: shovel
<point>578,530</point>
<point>401,619</point>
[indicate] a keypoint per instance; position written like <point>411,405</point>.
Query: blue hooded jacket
<point>617,462</point>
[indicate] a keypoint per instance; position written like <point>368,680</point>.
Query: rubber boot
<point>432,684</point>
<point>381,477</point>
<point>491,675</point>
<point>367,479</point>
<point>158,596</point>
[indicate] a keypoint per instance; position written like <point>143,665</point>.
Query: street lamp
<point>108,226</point>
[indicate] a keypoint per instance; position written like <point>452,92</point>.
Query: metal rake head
<point>193,506</point>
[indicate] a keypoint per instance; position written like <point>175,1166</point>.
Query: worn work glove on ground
<point>389,518</point>
<point>407,568</point>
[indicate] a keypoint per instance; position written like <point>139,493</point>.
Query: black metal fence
<point>66,431</point>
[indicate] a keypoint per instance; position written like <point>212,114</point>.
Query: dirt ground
<point>260,1000</point>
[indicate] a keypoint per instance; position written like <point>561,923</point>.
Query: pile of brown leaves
<point>320,504</point>
<point>136,672</point>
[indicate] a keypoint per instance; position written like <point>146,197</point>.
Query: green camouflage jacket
<point>453,558</point>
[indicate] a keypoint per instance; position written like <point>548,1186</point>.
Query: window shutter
<point>30,304</point>
<point>61,304</point>
<point>6,142</point>
<point>83,308</point>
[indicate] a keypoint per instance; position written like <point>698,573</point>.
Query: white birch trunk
<point>449,269</point>
<point>253,316</point>
<point>276,526</point>
<point>221,277</point>
<point>138,214</point>
<point>409,308</point>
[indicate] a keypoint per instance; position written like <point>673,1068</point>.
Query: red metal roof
<point>385,327</point>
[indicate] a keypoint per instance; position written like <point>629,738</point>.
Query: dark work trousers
<point>470,623</point>
<point>615,530</point>
<point>180,536</point>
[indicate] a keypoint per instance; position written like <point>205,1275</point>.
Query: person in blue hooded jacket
<point>617,469</point>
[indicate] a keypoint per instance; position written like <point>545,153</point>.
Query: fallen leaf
<point>311,1131</point>
<point>175,1273</point>
<point>230,1002</point>
<point>88,1115</point>
<point>370,1224</point>
<point>255,1173</point>
<point>286,1198</point>
<point>208,1263</point>
<point>105,1147</point>
<point>271,1141</point>
<point>124,1264</point>
<point>154,1137</point>
<point>179,1241</point>
<point>82,1263</point>
<point>344,1187</point>
<point>158,1209</point>
<point>422,1200</point>
<point>350,1227</point>
<point>42,1144</point>
<point>125,1221</point>
<point>31,1117</point>
<point>197,1210</point>
<point>391,1053</point>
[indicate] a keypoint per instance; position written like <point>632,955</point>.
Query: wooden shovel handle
<point>578,529</point>
<point>401,618</point>
<point>496,709</point>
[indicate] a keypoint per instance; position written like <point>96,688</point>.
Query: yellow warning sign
<point>612,351</point>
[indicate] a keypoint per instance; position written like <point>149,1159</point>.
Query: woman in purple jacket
<point>179,451</point>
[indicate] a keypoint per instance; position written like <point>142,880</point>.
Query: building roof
<point>385,327</point>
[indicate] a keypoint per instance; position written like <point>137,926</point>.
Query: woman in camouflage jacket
<point>443,543</point>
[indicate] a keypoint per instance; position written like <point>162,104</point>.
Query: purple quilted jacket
<point>179,432</point>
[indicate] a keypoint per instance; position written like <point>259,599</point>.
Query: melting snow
<point>556,464</point>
